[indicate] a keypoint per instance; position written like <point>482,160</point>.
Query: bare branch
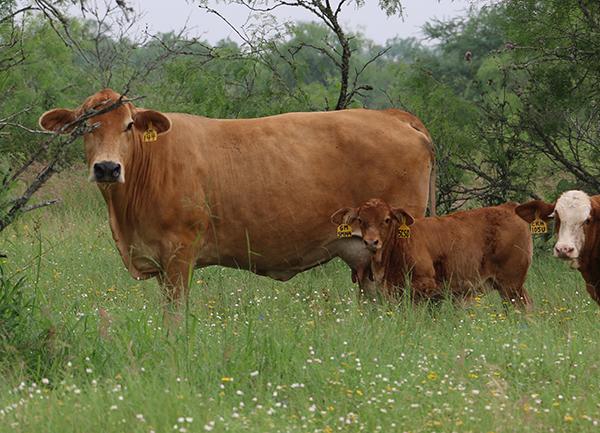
<point>329,16</point>
<point>40,205</point>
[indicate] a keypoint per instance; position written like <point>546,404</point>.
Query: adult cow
<point>248,193</point>
<point>577,225</point>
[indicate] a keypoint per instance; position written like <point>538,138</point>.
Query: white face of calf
<point>573,209</point>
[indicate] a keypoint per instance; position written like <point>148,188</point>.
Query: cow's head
<point>573,214</point>
<point>376,219</point>
<point>108,147</point>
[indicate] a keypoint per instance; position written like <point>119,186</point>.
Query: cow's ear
<point>595,213</point>
<point>160,122</point>
<point>535,209</point>
<point>402,216</point>
<point>55,120</point>
<point>345,215</point>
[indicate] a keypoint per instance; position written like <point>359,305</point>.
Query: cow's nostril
<point>376,242</point>
<point>117,171</point>
<point>98,170</point>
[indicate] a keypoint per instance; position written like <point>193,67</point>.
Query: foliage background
<point>509,92</point>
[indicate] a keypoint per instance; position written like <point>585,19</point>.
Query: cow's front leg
<point>594,292</point>
<point>174,277</point>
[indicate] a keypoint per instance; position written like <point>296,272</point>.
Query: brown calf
<point>459,252</point>
<point>577,227</point>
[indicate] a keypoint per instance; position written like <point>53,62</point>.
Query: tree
<point>554,63</point>
<point>338,53</point>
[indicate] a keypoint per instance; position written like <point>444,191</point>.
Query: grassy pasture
<point>88,352</point>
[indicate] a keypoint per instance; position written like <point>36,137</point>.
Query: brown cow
<point>458,252</point>
<point>247,193</point>
<point>577,225</point>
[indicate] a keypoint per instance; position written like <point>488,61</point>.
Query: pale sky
<point>163,16</point>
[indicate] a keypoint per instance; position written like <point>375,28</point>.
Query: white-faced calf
<point>458,253</point>
<point>577,226</point>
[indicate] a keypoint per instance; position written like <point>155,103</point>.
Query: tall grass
<point>259,355</point>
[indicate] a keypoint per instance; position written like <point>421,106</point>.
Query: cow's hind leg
<point>358,258</point>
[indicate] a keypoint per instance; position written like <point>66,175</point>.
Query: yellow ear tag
<point>404,230</point>
<point>538,226</point>
<point>150,134</point>
<point>344,231</point>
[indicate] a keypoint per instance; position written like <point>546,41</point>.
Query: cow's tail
<point>432,187</point>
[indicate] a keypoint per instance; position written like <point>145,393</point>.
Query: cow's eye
<point>129,126</point>
<point>387,220</point>
<point>359,220</point>
<point>587,221</point>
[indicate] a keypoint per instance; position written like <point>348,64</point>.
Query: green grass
<point>256,355</point>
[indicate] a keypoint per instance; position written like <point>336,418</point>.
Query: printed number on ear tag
<point>150,134</point>
<point>344,231</point>
<point>538,227</point>
<point>404,231</point>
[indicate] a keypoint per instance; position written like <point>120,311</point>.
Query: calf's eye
<point>129,126</point>
<point>387,220</point>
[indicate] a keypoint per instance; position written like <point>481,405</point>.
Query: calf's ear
<point>403,216</point>
<point>345,215</point>
<point>143,118</point>
<point>534,209</point>
<point>56,120</point>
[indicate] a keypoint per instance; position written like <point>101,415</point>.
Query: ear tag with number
<point>344,231</point>
<point>538,226</point>
<point>150,133</point>
<point>404,230</point>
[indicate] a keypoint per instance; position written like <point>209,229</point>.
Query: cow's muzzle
<point>372,244</point>
<point>563,251</point>
<point>107,171</point>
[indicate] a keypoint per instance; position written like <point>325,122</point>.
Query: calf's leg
<point>368,289</point>
<point>425,287</point>
<point>512,291</point>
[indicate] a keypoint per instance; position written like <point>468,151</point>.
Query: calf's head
<point>377,221</point>
<point>108,146</point>
<point>574,219</point>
